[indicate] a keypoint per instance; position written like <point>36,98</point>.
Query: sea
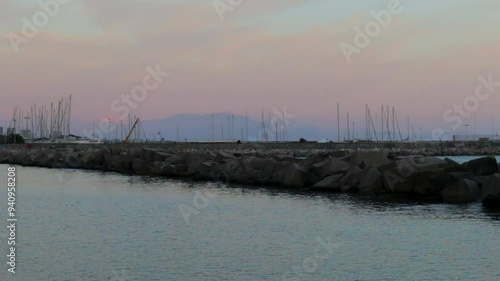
<point>88,225</point>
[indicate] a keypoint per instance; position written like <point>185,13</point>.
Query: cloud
<point>232,65</point>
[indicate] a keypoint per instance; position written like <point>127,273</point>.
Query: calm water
<point>77,225</point>
<point>462,159</point>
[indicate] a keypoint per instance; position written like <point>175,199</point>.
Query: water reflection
<point>492,212</point>
<point>361,204</point>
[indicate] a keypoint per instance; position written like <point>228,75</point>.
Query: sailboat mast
<point>246,124</point>
<point>408,125</point>
<point>338,122</point>
<point>348,126</point>
<point>382,123</point>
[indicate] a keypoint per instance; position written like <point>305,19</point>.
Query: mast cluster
<point>42,122</point>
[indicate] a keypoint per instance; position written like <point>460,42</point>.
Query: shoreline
<point>410,173</point>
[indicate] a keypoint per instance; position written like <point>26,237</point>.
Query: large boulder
<point>430,182</point>
<point>338,153</point>
<point>71,160</point>
<point>45,160</point>
<point>388,166</point>
<point>194,161</point>
<point>118,163</point>
<point>430,163</point>
<point>33,156</point>
<point>397,180</point>
<point>490,192</point>
<point>280,171</point>
<point>296,176</point>
<point>470,176</point>
<point>149,154</point>
<point>161,156</point>
<point>173,170</point>
<point>4,156</point>
<point>309,162</point>
<point>330,167</point>
<point>155,168</point>
<point>92,160</point>
<point>17,157</point>
<point>378,158</point>
<point>140,167</point>
<point>230,171</point>
<point>177,159</point>
<point>223,156</point>
<point>484,166</point>
<point>349,182</point>
<point>204,171</point>
<point>265,166</point>
<point>330,183</point>
<point>135,152</point>
<point>464,191</point>
<point>370,180</point>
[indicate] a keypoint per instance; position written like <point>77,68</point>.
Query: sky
<point>232,56</point>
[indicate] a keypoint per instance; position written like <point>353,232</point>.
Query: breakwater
<point>398,172</point>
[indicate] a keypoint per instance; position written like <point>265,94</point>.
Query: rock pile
<point>367,173</point>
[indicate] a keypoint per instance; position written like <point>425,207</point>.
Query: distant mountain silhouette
<point>195,127</point>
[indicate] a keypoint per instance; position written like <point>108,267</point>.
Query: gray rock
<point>194,161</point>
<point>135,152</point>
<point>149,154</point>
<point>72,161</point>
<point>140,167</point>
<point>490,192</point>
<point>173,170</point>
<point>370,180</point>
<point>330,167</point>
<point>330,183</point>
<point>464,191</point>
<point>396,182</point>
<point>484,166</point>
<point>266,166</point>
<point>204,170</point>
<point>350,179</point>
<point>223,156</point>
<point>430,182</point>
<point>376,159</point>
<point>119,164</point>
<point>280,171</point>
<point>92,160</point>
<point>296,176</point>
<point>177,159</point>
<point>161,156</point>
<point>155,168</point>
<point>429,163</point>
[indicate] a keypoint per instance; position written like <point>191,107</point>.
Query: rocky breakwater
<point>366,173</point>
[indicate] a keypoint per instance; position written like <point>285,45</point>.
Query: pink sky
<point>262,55</point>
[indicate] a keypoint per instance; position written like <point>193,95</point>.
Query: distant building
<point>483,138</point>
<point>1,131</point>
<point>11,131</point>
